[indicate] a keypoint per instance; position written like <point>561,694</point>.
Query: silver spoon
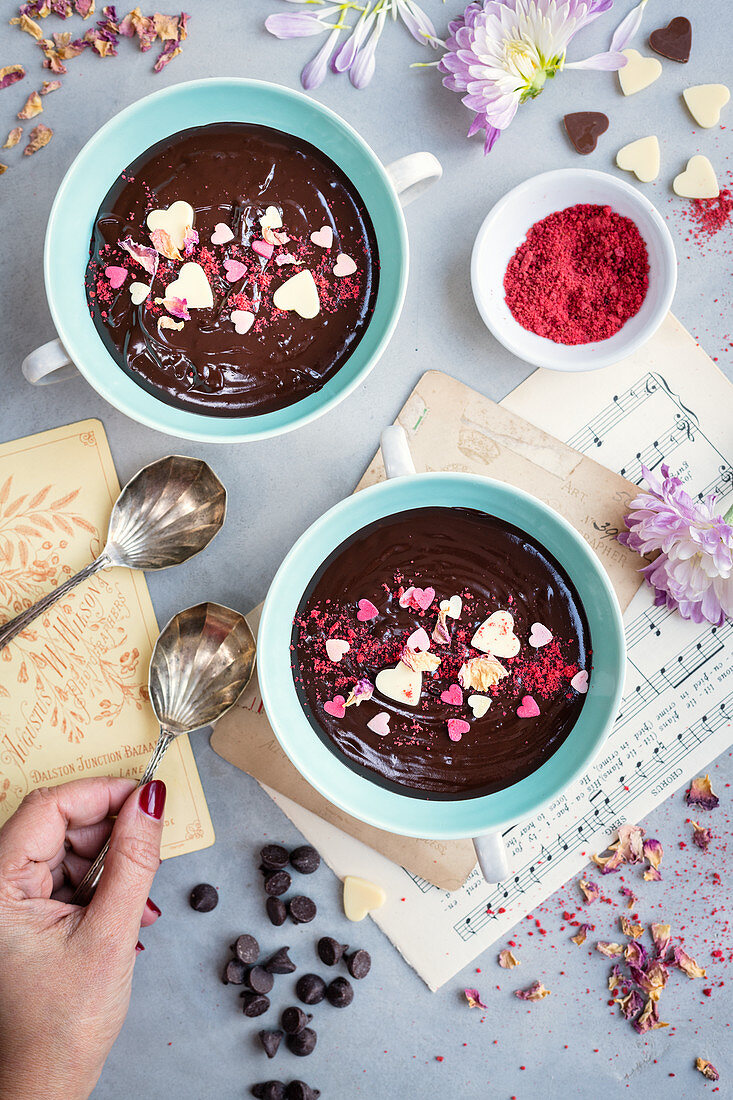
<point>170,511</point>
<point>202,662</point>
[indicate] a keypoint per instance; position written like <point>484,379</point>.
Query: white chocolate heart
<point>344,265</point>
<point>139,292</point>
<point>698,181</point>
<point>323,237</point>
<point>299,294</point>
<point>638,72</point>
<point>705,102</point>
<point>222,234</point>
<point>174,220</point>
<point>453,606</point>
<point>336,648</point>
<point>496,636</point>
<point>640,157</point>
<point>242,319</point>
<point>271,218</point>
<point>400,684</point>
<point>479,704</point>
<point>361,897</point>
<point>192,285</point>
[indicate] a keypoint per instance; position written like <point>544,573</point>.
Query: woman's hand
<point>66,972</point>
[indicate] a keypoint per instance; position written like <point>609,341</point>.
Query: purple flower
<point>501,52</point>
<point>315,71</point>
<point>693,572</point>
<point>300,24</point>
<point>362,68</point>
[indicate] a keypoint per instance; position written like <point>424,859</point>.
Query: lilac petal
<point>417,22</point>
<point>628,27</point>
<point>300,25</point>
<point>362,69</point>
<point>608,62</point>
<point>315,71</point>
<point>344,59</point>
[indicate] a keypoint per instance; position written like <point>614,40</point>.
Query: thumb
<point>131,863</point>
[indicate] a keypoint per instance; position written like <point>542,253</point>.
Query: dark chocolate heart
<point>673,41</point>
<point>584,128</point>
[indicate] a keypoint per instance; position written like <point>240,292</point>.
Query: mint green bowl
<point>406,814</point>
<point>125,137</point>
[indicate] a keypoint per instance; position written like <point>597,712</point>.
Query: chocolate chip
<point>204,898</point>
<point>340,992</point>
<point>293,1019</point>
<point>359,963</point>
<point>274,857</point>
<point>673,41</point>
<point>305,859</point>
<point>280,962</point>
<point>276,911</point>
<point>269,1090</point>
<point>302,910</point>
<point>310,989</point>
<point>254,1004</point>
<point>234,973</point>
<point>270,1041</point>
<point>276,883</point>
<point>302,1044</point>
<point>260,980</point>
<point>330,950</point>
<point>298,1090</point>
<point>584,128</point>
<point>246,949</point>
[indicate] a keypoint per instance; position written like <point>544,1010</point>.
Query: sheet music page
<point>667,403</point>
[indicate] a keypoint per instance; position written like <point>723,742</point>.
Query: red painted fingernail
<point>152,907</point>
<point>152,798</point>
<point>138,947</point>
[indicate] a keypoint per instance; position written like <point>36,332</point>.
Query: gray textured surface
<point>185,1037</point>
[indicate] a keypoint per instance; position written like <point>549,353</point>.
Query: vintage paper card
<point>73,686</point>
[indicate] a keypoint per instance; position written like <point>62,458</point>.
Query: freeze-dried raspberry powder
<point>579,276</point>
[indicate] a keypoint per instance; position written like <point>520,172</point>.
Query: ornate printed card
<point>73,686</point>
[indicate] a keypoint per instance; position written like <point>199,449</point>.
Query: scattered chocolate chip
<point>340,992</point>
<point>305,859</point>
<point>293,1019</point>
<point>673,41</point>
<point>269,1090</point>
<point>260,980</point>
<point>298,1090</point>
<point>204,898</point>
<point>330,950</point>
<point>302,1044</point>
<point>270,1041</point>
<point>276,883</point>
<point>359,963</point>
<point>584,128</point>
<point>302,910</point>
<point>234,973</point>
<point>274,857</point>
<point>255,1003</point>
<point>276,911</point>
<point>310,989</point>
<point>280,962</point>
<point>246,949</point>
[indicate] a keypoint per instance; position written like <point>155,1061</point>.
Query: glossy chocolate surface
<point>493,566</point>
<point>230,173</point>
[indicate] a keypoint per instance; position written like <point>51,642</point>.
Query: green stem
<point>728,517</point>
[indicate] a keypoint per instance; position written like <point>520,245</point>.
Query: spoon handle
<point>85,890</point>
<point>11,629</point>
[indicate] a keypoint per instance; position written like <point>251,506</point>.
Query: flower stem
<point>728,517</point>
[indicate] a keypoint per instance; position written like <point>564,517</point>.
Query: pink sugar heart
<point>285,258</point>
<point>419,598</point>
<point>116,276</point>
<point>528,708</point>
<point>344,266</point>
<point>580,682</point>
<point>453,695</point>
<point>323,237</point>
<point>456,728</point>
<point>234,270</point>
<point>242,319</point>
<point>263,248</point>
<point>335,707</point>
<point>379,724</point>
<point>419,641</point>
<point>335,648</point>
<point>366,611</point>
<point>222,234</point>
<point>539,636</point>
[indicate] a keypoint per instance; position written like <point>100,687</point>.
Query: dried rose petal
<point>582,933</point>
<point>168,322</point>
<point>84,8</point>
<point>190,240</point>
<point>135,23</point>
<point>630,895</point>
<point>3,169</point>
<point>630,1004</point>
<point>661,934</point>
<point>25,23</point>
<point>39,136</point>
<point>420,661</point>
<point>441,634</point>
<point>700,793</point>
<point>610,950</point>
<point>146,256</point>
<point>49,86</point>
<point>31,107</point>
<point>535,992</point>
<point>707,1069</point>
<point>635,954</point>
<point>164,245</point>
<point>652,875</point>
<point>362,691</point>
<point>649,1018</point>
<point>630,843</point>
<point>10,75</point>
<point>590,891</point>
<point>13,137</point>
<point>473,998</point>
<point>686,963</point>
<point>481,673</point>
<point>609,864</point>
<point>507,959</point>
<point>629,928</point>
<point>701,836</point>
<point>177,307</point>
<point>651,980</point>
<point>616,977</point>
